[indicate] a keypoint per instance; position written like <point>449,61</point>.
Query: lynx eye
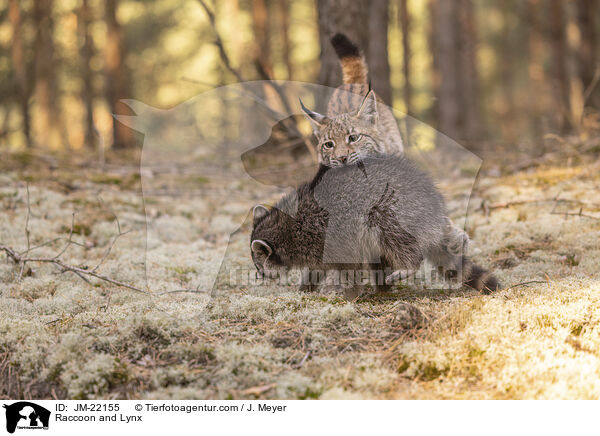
<point>328,145</point>
<point>353,138</point>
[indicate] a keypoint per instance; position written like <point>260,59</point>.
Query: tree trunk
<point>535,69</point>
<point>455,70</point>
<point>468,75</point>
<point>117,80</point>
<point>284,21</point>
<point>559,65</point>
<point>46,90</point>
<point>260,25</point>
<point>446,74</point>
<point>345,16</point>
<point>377,51</point>
<point>87,92</point>
<point>404,19</point>
<point>19,68</point>
<point>574,67</point>
<point>588,58</point>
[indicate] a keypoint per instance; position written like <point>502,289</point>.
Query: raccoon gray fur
<point>382,214</point>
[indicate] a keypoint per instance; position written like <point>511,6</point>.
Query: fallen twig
<point>258,390</point>
<point>505,204</point>
<point>66,267</point>
<point>579,214</point>
<point>304,359</point>
<point>530,282</point>
<point>81,271</point>
<point>567,214</point>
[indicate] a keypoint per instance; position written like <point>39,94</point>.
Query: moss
<point>544,321</point>
<point>180,270</point>
<point>98,341</point>
<point>94,378</point>
<point>469,170</point>
<point>106,179</point>
<point>198,180</point>
<point>475,352</point>
<point>78,229</point>
<point>193,354</point>
<point>24,158</point>
<point>310,394</point>
<point>151,334</point>
<point>430,372</point>
<point>576,329</point>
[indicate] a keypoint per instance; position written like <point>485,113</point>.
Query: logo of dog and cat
<point>239,144</point>
<point>25,415</point>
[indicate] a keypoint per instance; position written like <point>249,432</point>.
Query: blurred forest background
<point>489,73</point>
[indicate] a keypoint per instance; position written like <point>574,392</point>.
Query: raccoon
<point>381,214</point>
<point>356,125</point>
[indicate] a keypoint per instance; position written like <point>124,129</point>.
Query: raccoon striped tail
<point>479,278</point>
<point>354,67</point>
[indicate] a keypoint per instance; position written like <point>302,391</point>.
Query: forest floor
<point>65,337</point>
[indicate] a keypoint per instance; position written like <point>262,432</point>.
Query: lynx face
<point>347,138</point>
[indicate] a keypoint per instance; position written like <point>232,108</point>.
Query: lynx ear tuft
<point>368,107</point>
<point>315,118</point>
<point>259,246</point>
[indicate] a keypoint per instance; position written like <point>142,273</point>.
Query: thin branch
<point>82,272</point>
<point>27,233</point>
<point>67,267</point>
<point>181,291</point>
<point>262,104</point>
<point>567,214</point>
<point>590,88</point>
<point>304,359</point>
<point>107,253</point>
<point>219,42</point>
<point>262,72</point>
<point>530,282</point>
<point>22,259</point>
<point>11,253</point>
<point>43,244</point>
<point>579,214</point>
<point>506,204</point>
<point>68,244</point>
<point>119,234</point>
<point>264,75</point>
<point>282,97</point>
<point>274,114</point>
<point>82,277</point>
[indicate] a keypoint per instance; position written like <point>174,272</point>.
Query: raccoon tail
<point>478,278</point>
<point>354,67</point>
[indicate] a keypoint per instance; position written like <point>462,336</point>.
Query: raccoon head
<point>268,242</point>
<point>347,138</point>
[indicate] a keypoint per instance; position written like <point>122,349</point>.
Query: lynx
<point>357,124</point>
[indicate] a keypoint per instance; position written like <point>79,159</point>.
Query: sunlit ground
<point>62,337</point>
